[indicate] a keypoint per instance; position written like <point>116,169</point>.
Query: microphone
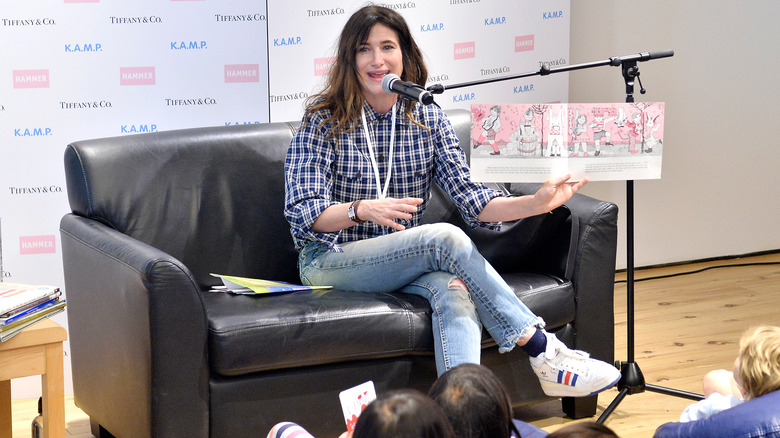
<point>393,84</point>
<point>641,57</point>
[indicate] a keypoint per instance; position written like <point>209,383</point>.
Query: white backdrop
<point>718,196</point>
<point>78,69</point>
<point>463,40</point>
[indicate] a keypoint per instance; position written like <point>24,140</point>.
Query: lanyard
<point>380,194</point>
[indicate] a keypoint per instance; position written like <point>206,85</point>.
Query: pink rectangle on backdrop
<point>465,50</point>
<point>136,76</point>
<point>322,65</point>
<point>524,43</point>
<point>31,78</point>
<point>37,245</point>
<point>242,73</point>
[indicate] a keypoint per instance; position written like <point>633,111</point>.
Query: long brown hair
<point>342,94</point>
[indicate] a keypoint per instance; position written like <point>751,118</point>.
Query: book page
<point>535,142</point>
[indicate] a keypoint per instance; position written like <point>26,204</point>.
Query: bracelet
<point>352,212</point>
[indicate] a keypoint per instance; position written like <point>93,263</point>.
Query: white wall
<point>719,192</point>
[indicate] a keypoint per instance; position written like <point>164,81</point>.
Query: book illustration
<point>490,126</point>
<point>534,142</point>
<point>250,286</point>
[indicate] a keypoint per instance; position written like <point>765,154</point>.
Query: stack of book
<point>23,305</point>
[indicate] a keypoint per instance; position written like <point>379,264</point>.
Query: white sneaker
<point>571,373</point>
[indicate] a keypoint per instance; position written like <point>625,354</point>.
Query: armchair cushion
<point>249,334</point>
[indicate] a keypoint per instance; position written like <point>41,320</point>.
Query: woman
<point>358,177</point>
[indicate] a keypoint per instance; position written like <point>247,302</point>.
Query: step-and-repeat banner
<point>79,69</point>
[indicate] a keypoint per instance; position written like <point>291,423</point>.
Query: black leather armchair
<point>154,354</point>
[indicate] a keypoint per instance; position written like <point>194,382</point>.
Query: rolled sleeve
<point>308,182</point>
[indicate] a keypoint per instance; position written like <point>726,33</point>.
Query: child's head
<point>757,368</point>
<point>475,401</point>
<point>584,429</point>
<point>404,413</point>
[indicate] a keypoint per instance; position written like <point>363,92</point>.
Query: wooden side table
<point>35,350</point>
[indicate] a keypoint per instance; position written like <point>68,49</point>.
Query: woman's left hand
<point>555,192</point>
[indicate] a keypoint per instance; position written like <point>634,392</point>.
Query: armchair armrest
<point>594,269</point>
<point>138,333</point>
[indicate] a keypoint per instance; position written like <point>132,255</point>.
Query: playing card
<point>354,400</point>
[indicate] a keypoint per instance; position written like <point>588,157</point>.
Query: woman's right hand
<point>387,210</point>
<point>379,211</point>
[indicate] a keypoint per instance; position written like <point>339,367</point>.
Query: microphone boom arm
<point>546,69</point>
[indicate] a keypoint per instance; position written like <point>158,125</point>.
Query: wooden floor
<point>685,326</point>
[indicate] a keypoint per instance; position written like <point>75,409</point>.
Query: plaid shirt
<point>320,173</point>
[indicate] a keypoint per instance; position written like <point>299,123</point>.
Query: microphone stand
<point>631,381</point>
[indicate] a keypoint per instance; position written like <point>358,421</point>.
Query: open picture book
<point>249,286</point>
<point>535,142</point>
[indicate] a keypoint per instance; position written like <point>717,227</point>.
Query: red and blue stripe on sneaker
<point>567,378</point>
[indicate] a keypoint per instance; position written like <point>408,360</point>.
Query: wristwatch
<point>352,212</point>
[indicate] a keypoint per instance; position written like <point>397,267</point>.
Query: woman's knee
<point>458,300</point>
<point>451,236</point>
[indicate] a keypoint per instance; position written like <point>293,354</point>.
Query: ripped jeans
<point>424,261</point>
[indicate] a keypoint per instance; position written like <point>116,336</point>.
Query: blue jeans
<point>424,261</point>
